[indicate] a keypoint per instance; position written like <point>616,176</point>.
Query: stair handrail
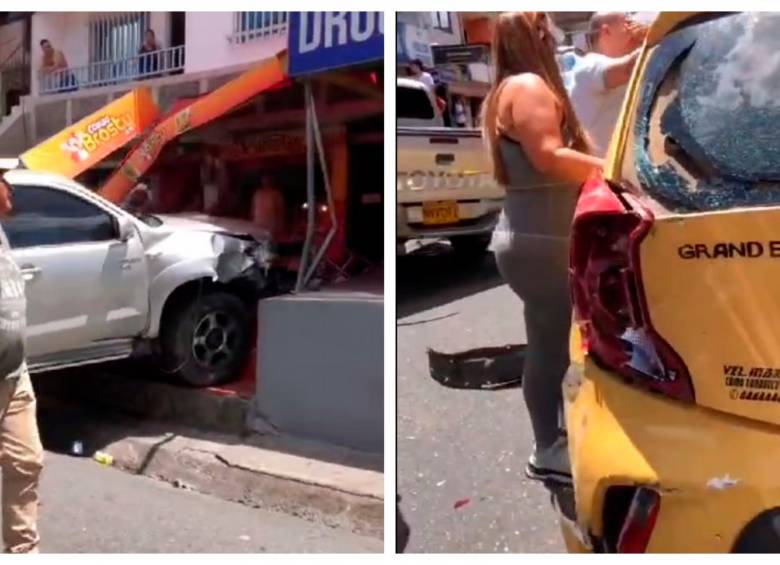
<point>14,52</point>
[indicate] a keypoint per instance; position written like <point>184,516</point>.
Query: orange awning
<point>82,145</point>
<point>259,78</point>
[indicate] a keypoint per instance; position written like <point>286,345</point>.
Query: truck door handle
<point>445,158</point>
<point>29,272</point>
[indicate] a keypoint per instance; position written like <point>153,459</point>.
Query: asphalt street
<point>89,508</point>
<point>461,453</point>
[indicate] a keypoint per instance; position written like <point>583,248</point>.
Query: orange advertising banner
<point>203,110</point>
<point>90,140</point>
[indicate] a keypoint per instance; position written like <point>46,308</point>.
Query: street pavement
<point>92,508</point>
<point>89,508</point>
<point>461,453</point>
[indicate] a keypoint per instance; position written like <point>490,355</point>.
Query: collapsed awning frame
<point>314,143</point>
<point>261,77</point>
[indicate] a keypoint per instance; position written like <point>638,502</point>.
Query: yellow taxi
<point>672,400</point>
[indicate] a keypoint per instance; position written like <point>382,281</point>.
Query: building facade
<point>194,53</point>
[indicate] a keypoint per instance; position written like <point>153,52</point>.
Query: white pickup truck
<point>103,284</point>
<point>445,189</point>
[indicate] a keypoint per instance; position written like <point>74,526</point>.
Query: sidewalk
<point>254,473</point>
<point>197,440</point>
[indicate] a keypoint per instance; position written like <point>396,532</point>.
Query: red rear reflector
<point>640,522</point>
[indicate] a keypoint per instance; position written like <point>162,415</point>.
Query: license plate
<point>440,213</point>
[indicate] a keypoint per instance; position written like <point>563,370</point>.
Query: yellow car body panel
<point>701,461</point>
<point>714,463</point>
<point>720,315</point>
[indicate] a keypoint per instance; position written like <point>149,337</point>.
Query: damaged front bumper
<point>714,473</point>
<point>242,258</point>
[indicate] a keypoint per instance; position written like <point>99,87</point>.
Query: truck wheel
<point>471,247</point>
<point>205,340</point>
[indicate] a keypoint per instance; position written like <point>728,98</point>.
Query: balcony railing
<point>139,67</point>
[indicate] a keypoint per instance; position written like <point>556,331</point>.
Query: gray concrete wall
<point>320,368</point>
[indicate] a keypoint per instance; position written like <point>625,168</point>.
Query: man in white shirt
<point>598,80</point>
<point>417,71</point>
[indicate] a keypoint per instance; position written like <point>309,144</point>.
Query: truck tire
<point>471,247</point>
<point>205,339</point>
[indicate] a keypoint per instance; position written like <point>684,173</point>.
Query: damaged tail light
<point>608,296</point>
<point>640,522</point>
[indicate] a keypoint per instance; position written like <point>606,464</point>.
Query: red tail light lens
<point>640,522</point>
<point>607,293</point>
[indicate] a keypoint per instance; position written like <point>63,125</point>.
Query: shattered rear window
<point>708,117</point>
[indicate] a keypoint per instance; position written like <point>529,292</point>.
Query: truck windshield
<point>706,127</point>
<point>413,103</point>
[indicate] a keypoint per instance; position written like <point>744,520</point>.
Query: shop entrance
<point>365,218</point>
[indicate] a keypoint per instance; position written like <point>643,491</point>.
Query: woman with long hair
<point>541,155</point>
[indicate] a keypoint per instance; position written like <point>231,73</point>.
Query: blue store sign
<point>323,41</point>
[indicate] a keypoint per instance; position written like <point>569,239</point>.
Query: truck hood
<point>214,224</point>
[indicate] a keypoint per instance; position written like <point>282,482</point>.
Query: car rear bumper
<point>714,472</point>
<point>477,218</point>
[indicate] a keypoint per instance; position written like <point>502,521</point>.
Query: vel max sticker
<point>761,384</point>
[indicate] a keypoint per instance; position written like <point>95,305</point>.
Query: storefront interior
<point>217,169</point>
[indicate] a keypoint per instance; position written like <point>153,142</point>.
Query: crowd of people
<point>546,134</point>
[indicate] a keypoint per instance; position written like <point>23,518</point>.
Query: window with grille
<point>250,26</point>
<point>116,36</point>
<point>441,20</point>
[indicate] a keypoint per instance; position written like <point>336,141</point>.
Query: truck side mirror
<point>126,230</point>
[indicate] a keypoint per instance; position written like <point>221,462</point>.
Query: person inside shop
<point>149,59</point>
<point>417,71</point>
<point>54,69</point>
<point>139,201</point>
<point>268,208</point>
<point>215,178</point>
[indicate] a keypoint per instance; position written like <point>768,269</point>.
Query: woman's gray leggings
<point>535,267</point>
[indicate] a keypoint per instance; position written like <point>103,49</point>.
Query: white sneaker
<point>551,464</point>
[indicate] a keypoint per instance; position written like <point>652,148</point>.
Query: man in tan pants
<point>21,452</point>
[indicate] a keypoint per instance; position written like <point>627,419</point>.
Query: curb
<point>197,440</point>
<point>301,487</point>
